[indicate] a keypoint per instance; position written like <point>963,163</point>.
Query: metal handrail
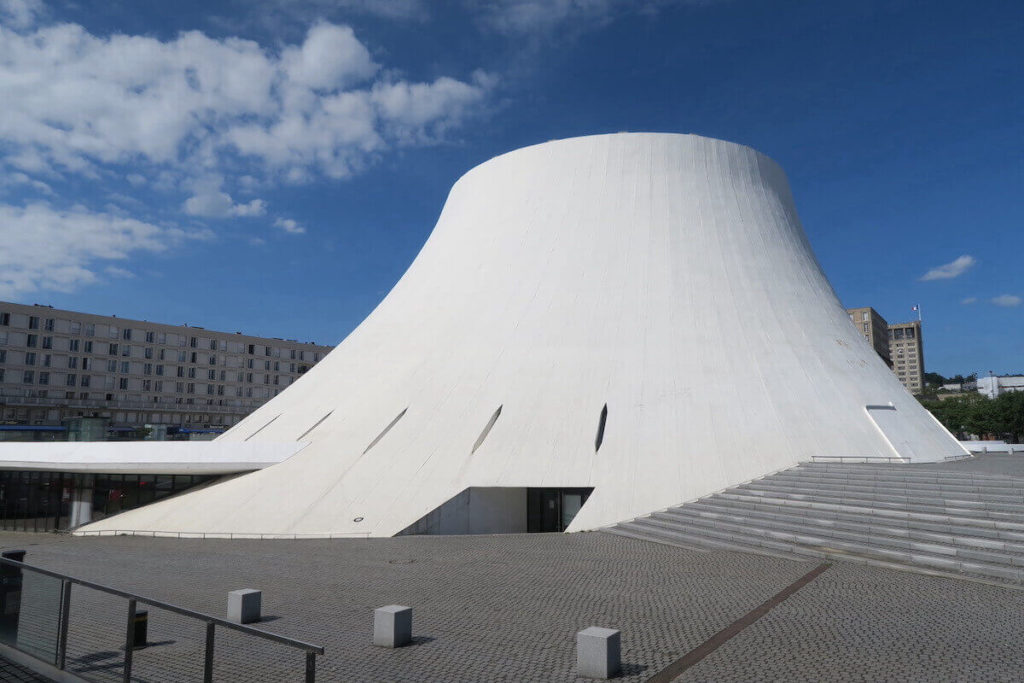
<point>211,621</point>
<point>220,535</point>
<point>887,458</point>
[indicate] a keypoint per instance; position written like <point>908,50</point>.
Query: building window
<point>191,389</point>
<point>158,385</point>
<point>213,360</point>
<point>5,319</point>
<point>181,356</point>
<point>3,356</point>
<point>88,347</point>
<point>44,377</point>
<point>213,344</point>
<point>865,327</point>
<point>71,380</point>
<point>192,373</point>
<point>29,377</point>
<point>113,332</point>
<point>72,345</point>
<point>111,366</point>
<point>32,341</point>
<point>212,374</point>
<point>248,378</point>
<point>149,337</point>
<point>147,369</point>
<point>146,384</point>
<point>48,325</point>
<point>193,342</point>
<point>72,362</point>
<point>33,322</point>
<point>125,367</point>
<point>126,334</point>
<point>179,387</point>
<point>85,380</point>
<point>90,330</point>
<point>292,357</point>
<point>162,354</point>
<point>86,363</point>
<point>181,371</point>
<point>47,342</point>
<point>160,370</point>
<point>30,358</point>
<point>249,364</point>
<point>123,383</point>
<point>147,352</point>
<point>112,350</point>
<point>266,365</point>
<point>126,351</point>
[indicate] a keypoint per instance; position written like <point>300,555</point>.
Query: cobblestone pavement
<point>506,608</point>
<point>14,673</point>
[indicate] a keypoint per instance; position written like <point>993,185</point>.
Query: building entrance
<point>553,509</point>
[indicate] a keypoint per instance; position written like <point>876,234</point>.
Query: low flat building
<point>994,385</point>
<point>136,377</point>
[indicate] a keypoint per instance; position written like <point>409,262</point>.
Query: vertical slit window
<point>315,425</point>
<point>263,427</point>
<point>386,430</point>
<point>600,428</point>
<point>487,429</point>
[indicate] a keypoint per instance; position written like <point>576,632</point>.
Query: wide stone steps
<point>937,521</point>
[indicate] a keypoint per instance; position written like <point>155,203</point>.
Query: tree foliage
<point>1001,417</point>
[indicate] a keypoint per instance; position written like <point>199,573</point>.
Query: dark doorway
<point>552,510</point>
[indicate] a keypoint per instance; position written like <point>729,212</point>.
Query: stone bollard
<point>244,605</point>
<point>598,652</point>
<point>392,626</point>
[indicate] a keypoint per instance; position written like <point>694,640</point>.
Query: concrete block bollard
<point>244,605</point>
<point>392,626</point>
<point>598,652</point>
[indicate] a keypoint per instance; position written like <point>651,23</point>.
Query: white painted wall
<point>666,276</point>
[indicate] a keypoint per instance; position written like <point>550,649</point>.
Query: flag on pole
<point>913,308</point>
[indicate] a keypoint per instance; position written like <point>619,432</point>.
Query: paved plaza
<point>506,608</point>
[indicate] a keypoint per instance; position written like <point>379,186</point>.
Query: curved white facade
<point>663,276</point>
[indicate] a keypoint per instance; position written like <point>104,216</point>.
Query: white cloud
<point>1007,300</point>
<point>518,17</point>
<point>114,271</point>
<point>20,14</point>
<point>216,204</point>
<point>52,249</point>
<point>966,301</point>
<point>950,270</point>
<point>78,103</point>
<point>289,225</point>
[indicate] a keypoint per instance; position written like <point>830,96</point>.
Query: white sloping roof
<point>666,277</point>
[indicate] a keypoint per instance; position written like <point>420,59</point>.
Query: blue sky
<point>273,166</point>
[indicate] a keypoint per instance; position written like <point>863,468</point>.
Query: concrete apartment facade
<point>57,365</point>
<point>874,328</point>
<point>899,345</point>
<point>907,351</point>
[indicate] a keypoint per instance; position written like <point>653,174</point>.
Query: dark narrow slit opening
<point>600,428</point>
<point>386,430</point>
<point>487,430</point>
<point>315,425</point>
<point>263,427</point>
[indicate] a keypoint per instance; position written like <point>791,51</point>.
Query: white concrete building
<point>994,385</point>
<point>597,328</point>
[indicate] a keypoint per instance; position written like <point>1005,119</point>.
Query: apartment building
<point>874,328</point>
<point>907,351</point>
<point>58,365</point>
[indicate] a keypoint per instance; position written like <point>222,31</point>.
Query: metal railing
<point>859,458</point>
<point>60,654</point>
<point>220,535</point>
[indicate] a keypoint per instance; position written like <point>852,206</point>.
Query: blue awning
<point>32,428</point>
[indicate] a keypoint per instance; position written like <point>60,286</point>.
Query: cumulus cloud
<point>966,301</point>
<point>289,225</point>
<point>61,249</point>
<point>217,204</point>
<point>1007,300</point>
<point>20,14</point>
<point>75,102</point>
<point>950,270</point>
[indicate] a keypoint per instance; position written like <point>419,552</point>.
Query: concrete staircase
<point>940,521</point>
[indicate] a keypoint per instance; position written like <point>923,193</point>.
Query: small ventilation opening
<point>315,425</point>
<point>487,429</point>
<point>386,430</point>
<point>600,428</point>
<point>263,427</point>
